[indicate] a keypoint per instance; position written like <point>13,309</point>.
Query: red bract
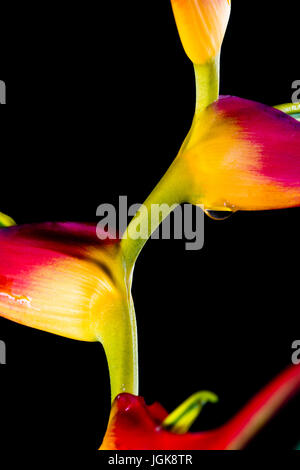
<point>135,426</point>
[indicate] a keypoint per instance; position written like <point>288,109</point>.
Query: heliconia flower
<point>201,25</point>
<point>238,155</point>
<point>135,426</point>
<point>60,278</point>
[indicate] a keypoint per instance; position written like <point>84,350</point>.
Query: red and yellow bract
<point>242,155</point>
<point>60,278</point>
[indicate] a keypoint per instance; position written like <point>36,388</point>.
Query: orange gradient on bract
<point>242,155</point>
<point>201,25</point>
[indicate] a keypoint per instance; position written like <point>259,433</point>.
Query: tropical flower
<point>60,278</point>
<point>135,426</point>
<point>238,154</point>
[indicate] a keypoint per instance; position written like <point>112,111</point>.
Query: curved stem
<point>181,419</point>
<point>121,349</point>
<point>170,190</point>
<point>162,201</point>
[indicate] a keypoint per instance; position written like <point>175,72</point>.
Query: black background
<point>99,101</point>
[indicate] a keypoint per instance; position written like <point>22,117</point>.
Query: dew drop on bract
<point>219,215</point>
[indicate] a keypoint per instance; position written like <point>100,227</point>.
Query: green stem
<point>119,340</point>
<point>170,190</point>
<point>207,84</point>
<point>161,202</point>
<point>180,421</point>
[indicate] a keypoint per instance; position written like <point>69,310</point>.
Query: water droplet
<point>219,215</point>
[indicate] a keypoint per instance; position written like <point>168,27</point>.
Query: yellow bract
<point>201,25</point>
